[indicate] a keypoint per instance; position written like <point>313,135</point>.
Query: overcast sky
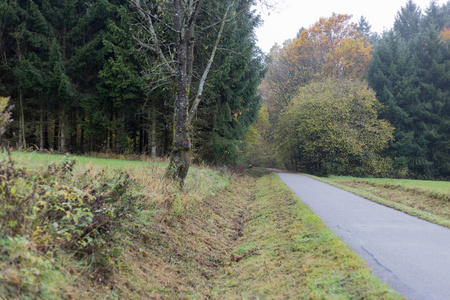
<point>291,15</point>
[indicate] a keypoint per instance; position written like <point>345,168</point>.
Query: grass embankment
<point>293,255</point>
<point>111,229</point>
<point>425,199</point>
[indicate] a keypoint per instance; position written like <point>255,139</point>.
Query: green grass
<point>439,189</point>
<point>39,161</point>
<point>293,255</point>
<point>221,237</point>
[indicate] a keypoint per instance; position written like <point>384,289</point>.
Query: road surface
<point>409,254</point>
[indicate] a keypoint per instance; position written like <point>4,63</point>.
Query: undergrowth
<point>45,215</point>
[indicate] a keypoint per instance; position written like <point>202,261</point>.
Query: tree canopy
<point>410,73</point>
<point>332,127</point>
<point>81,81</point>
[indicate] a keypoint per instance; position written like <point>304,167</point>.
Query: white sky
<point>291,15</point>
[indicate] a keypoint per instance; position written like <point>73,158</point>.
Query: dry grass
<point>169,249</point>
<point>177,249</point>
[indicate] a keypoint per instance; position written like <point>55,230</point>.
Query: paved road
<point>411,255</point>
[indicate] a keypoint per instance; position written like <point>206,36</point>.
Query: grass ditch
<point>99,228</point>
<point>287,252</point>
<point>428,200</point>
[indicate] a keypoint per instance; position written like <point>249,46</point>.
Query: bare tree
<point>176,60</point>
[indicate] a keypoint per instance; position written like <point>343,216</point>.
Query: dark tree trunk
<point>22,141</point>
<point>118,132</point>
<point>82,146</point>
<point>153,145</point>
<point>73,131</point>
<point>63,131</point>
<point>42,126</point>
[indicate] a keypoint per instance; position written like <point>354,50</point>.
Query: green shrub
<point>56,211</point>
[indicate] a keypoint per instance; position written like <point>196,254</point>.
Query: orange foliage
<point>445,34</point>
<point>350,59</point>
<point>331,46</point>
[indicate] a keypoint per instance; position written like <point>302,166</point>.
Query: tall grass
<point>67,222</point>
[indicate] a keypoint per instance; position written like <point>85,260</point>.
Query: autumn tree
<point>445,34</point>
<point>332,126</point>
<point>331,47</point>
<point>258,147</point>
<point>5,115</point>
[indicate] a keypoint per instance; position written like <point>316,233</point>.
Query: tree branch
<point>155,47</point>
<point>198,97</point>
<point>190,41</point>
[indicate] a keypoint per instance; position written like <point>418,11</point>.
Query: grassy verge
<point>100,228</point>
<point>288,253</point>
<point>112,229</point>
<point>428,200</point>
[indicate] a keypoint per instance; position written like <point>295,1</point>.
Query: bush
<point>332,127</point>
<point>56,212</point>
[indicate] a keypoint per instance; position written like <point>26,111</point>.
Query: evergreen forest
<point>81,81</point>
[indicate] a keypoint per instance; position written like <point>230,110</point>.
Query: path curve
<point>409,254</point>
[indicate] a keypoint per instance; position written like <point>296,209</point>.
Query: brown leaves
<point>331,47</point>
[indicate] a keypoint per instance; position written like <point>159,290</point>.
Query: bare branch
<point>191,41</point>
<point>198,97</point>
<point>155,47</point>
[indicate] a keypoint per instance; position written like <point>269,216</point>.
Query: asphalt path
<point>409,254</point>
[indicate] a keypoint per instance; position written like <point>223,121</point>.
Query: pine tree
<point>410,73</point>
<point>233,102</point>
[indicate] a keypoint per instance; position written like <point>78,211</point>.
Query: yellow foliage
<point>3,103</point>
<point>332,126</point>
<point>331,47</point>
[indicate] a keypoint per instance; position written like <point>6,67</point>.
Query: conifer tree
<point>410,73</point>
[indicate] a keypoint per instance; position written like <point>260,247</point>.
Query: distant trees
<point>407,67</point>
<point>312,91</point>
<point>258,142</point>
<point>410,73</point>
<point>332,127</point>
<point>331,47</point>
